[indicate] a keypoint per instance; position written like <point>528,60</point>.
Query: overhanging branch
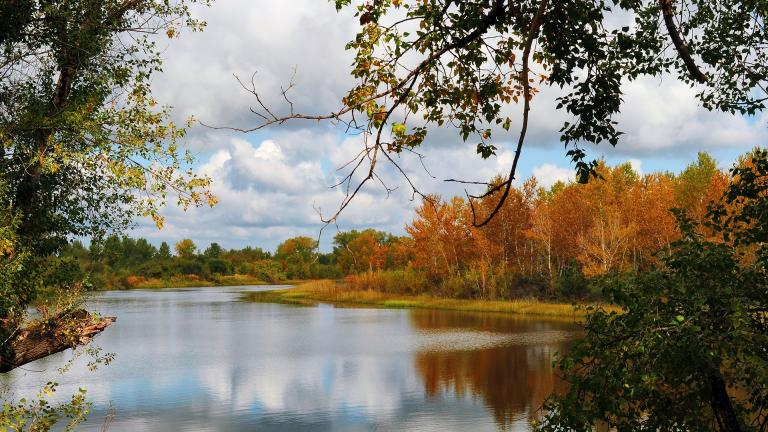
<point>680,45</point>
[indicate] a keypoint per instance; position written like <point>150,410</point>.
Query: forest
<point>547,243</point>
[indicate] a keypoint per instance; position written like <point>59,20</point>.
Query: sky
<point>273,183</point>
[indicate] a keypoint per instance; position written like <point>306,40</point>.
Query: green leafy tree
<point>218,266</point>
<point>690,350</point>
<point>693,182</point>
<point>244,259</point>
<point>189,267</point>
<point>112,250</point>
<point>164,252</point>
<point>137,251</point>
<point>84,149</point>
<point>84,146</point>
<point>213,251</point>
<point>13,259</point>
<point>77,250</point>
<point>42,414</point>
<point>268,270</point>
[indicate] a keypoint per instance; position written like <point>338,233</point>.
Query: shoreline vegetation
<point>188,281</point>
<point>312,293</point>
<point>193,281</point>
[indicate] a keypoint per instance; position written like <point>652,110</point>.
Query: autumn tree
<point>508,235</point>
<point>358,251</point>
<point>297,254</point>
<point>185,248</point>
<point>542,233</point>
<point>399,252</point>
<point>442,236</point>
<point>648,205</point>
<point>605,245</point>
<point>692,183</point>
<point>560,217</point>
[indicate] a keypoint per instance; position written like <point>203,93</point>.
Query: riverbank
<point>312,293</point>
<point>188,281</point>
<point>192,281</point>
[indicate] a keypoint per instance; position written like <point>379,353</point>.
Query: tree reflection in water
<point>513,377</point>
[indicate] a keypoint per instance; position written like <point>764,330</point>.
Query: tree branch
<point>507,185</point>
<point>48,337</point>
<point>680,46</point>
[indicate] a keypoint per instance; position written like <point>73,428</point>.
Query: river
<point>199,359</point>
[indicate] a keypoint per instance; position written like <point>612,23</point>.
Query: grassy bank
<point>138,282</point>
<point>311,293</point>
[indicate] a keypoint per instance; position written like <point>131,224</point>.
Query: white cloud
<point>548,174</point>
<point>268,38</point>
<point>265,197</point>
<point>637,165</point>
<point>664,117</point>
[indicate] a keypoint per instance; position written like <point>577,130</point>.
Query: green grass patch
<point>402,304</point>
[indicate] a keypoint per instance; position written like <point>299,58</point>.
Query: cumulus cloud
<point>266,197</point>
<point>664,117</point>
<point>262,42</point>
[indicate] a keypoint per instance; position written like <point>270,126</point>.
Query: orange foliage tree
<point>619,222</point>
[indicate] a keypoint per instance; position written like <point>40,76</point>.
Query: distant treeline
<point>545,242</point>
<point>125,262</point>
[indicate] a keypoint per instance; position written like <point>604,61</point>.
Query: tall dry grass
<point>326,291</point>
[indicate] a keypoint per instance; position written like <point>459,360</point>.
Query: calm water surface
<point>201,360</point>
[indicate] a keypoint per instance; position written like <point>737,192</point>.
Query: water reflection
<point>512,378</point>
<point>202,360</point>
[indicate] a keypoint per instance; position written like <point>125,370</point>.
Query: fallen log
<point>49,336</point>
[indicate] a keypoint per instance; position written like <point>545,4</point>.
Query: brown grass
<point>325,291</point>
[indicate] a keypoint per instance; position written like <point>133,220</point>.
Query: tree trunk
<point>721,402</point>
<point>57,334</point>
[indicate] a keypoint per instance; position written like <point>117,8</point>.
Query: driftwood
<point>45,337</point>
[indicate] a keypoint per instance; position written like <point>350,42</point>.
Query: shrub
<point>572,283</point>
<point>218,265</point>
